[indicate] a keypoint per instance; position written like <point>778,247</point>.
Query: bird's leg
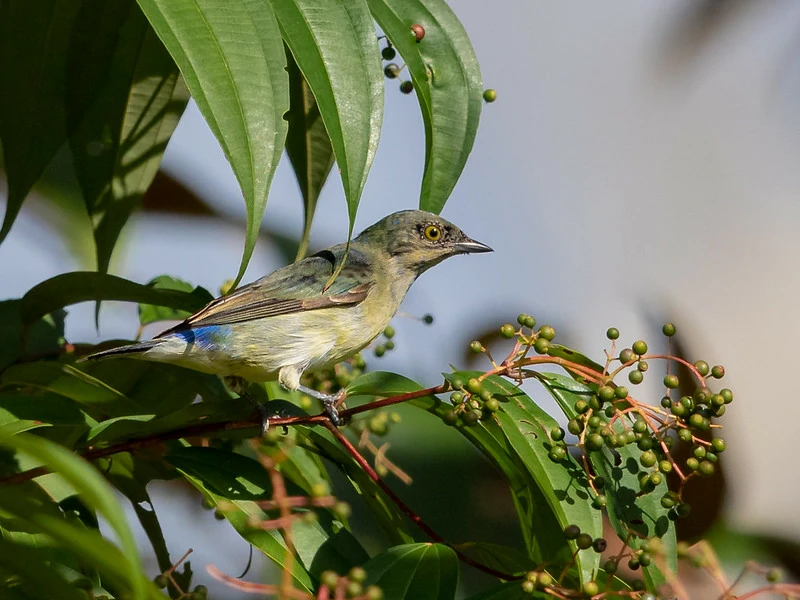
<point>329,401</point>
<point>239,386</point>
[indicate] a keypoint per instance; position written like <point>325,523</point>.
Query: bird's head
<point>418,240</point>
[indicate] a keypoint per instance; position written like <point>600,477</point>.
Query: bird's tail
<point>120,350</point>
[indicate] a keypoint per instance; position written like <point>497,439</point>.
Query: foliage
<point>109,79</point>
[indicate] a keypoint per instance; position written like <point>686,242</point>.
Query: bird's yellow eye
<point>433,233</point>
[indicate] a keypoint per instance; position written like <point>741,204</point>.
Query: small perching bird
<point>287,322</point>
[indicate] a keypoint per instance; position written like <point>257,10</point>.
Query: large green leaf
<point>307,145</point>
<point>447,80</point>
<point>94,491</point>
<point>234,483</point>
<point>151,313</point>
<point>232,59</point>
<point>628,508</point>
<point>336,49</point>
<point>415,572</point>
<point>34,574</point>
<point>118,146</point>
<point>82,286</point>
<point>34,49</point>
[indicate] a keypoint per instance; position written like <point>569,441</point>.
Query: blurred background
<point>639,165</point>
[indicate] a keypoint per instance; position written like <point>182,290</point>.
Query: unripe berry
<point>391,71</point>
<point>635,377</point>
<point>571,532</point>
<point>718,371</point>
<point>668,329</point>
<point>556,434</point>
<point>507,331</point>
<point>671,381</point>
<point>612,333</point>
<point>388,53</point>
<point>489,96</point>
<point>407,87</point>
<point>702,367</point>
<point>547,332</point>
<point>639,347</point>
<point>584,541</point>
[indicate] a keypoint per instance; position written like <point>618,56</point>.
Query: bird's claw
<point>330,408</point>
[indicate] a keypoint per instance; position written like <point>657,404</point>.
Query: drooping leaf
<point>232,59</point>
<point>82,286</point>
<point>447,81</point>
<point>307,146</point>
<point>34,44</point>
<point>94,491</point>
<point>152,313</point>
<point>415,572</point>
<point>335,47</point>
<point>634,516</point>
<point>131,115</point>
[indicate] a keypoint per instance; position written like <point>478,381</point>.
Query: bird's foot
<point>329,401</point>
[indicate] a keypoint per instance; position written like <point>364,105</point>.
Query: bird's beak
<point>470,246</point>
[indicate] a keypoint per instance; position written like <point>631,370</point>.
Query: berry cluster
<point>351,586</point>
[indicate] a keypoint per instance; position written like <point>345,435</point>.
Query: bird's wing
<point>295,288</point>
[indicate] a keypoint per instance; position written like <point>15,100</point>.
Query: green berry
<point>671,381</point>
<point>702,367</point>
<point>530,322</point>
<point>706,468</point>
<point>581,406</point>
<point>391,71</point>
<point>574,426</point>
<point>648,459</point>
<point>665,466</point>
<point>727,395</point>
<point>718,371</point>
<point>428,319</point>
<point>640,426</point>
<point>685,435</point>
<point>380,350</point>
<point>590,588</point>
<point>508,331</point>
<point>633,564</point>
<point>594,422</point>
<point>687,402</point>
<point>450,417</point>
<point>489,95</point>
<point>557,434</point>
<point>406,87</point>
<point>599,501</point>
<point>667,501</point>
<point>642,366</point>
<point>594,442</point>
<point>645,559</point>
<point>557,453</point>
<point>718,444</point>
<point>621,392</point>
<point>547,332</point>
<point>521,318</point>
<point>389,345</point>
<point>612,333</point>
<point>666,402</point>
<point>389,332</point>
<point>470,418</point>
<point>656,479</point>
<point>584,541</point>
<point>474,386</point>
<point>699,452</point>
<point>476,347</point>
<point>485,395</point>
<point>162,581</point>
<point>697,420</point>
<point>492,405</point>
<point>692,463</point>
<point>645,443</point>
<point>541,345</point>
<point>635,377</point>
<point>528,587</point>
<point>606,393</point>
<point>545,580</point>
<point>572,532</point>
<point>639,347</point>
<point>668,329</point>
<point>610,566</point>
<point>456,398</point>
<point>626,356</point>
<point>373,592</point>
<point>774,575</point>
<point>329,579</point>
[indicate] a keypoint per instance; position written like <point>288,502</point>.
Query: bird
<point>296,320</point>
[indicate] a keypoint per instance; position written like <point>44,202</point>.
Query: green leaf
<point>151,313</point>
<point>415,572</point>
<point>82,286</point>
<point>44,336</point>
<point>232,59</point>
<point>307,145</point>
<point>499,557</point>
<point>118,146</point>
<point>389,517</point>
<point>447,80</point>
<point>34,575</point>
<point>94,491</point>
<point>234,481</point>
<point>34,48</point>
<point>336,49</point>
<point>326,545</point>
<point>627,508</point>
